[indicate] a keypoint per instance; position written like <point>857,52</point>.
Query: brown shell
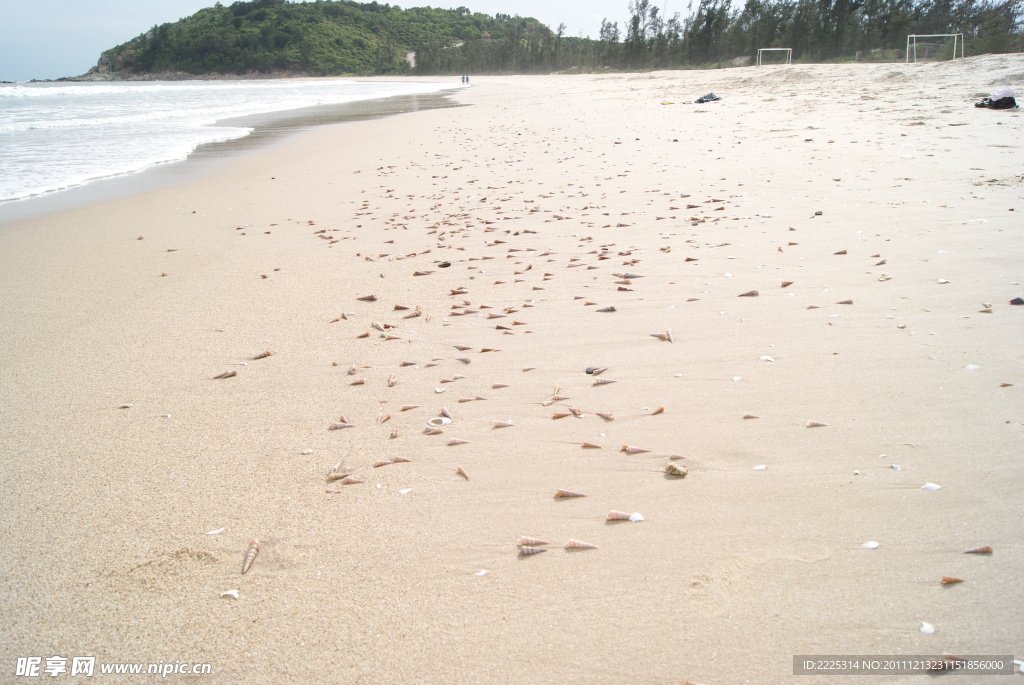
<point>462,472</point>
<point>950,580</point>
<point>226,374</point>
<point>659,410</point>
<point>527,550</point>
<point>749,293</point>
<point>985,549</point>
<point>503,424</point>
<point>264,355</point>
<point>250,555</point>
<point>614,515</point>
<point>579,544</point>
<point>351,480</point>
<point>628,449</point>
<point>458,441</point>
<point>590,445</point>
<point>607,416</point>
<point>568,493</point>
<point>815,424</point>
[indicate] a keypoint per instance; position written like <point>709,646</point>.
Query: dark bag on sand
<point>1001,103</point>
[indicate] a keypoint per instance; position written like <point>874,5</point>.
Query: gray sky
<point>45,39</point>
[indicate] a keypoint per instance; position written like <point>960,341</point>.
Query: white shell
<point>406,491</point>
<point>480,573</point>
<point>870,544</point>
<point>761,467</point>
<point>215,532</point>
<point>438,421</point>
<point>927,628</point>
<point>766,358</point>
<point>233,594</point>
<point>636,517</point>
<point>930,486</point>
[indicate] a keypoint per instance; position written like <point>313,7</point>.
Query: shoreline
<point>557,223</point>
<point>268,128</point>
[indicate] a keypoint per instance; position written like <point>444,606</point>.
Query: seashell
<point>250,555</point>
<point>383,418</point>
<point>666,336</point>
<point>367,298</point>
<point>503,424</point>
<point>264,355</point>
<point>786,284</point>
<point>950,580</point>
<point>391,337</point>
<point>632,450</point>
<point>527,550</point>
<point>458,441</point>
<point>526,541</point>
<point>840,252</point>
<point>578,544</point>
<point>400,460</point>
<point>226,374</point>
<point>659,410</point>
<point>438,421</point>
<point>439,390</point>
<point>578,413</point>
<point>845,302</point>
<point>1006,385</point>
<point>870,544</point>
<point>749,293</point>
<point>379,326</point>
<point>607,416</point>
<point>445,413</point>
<point>360,381</point>
<point>760,467</point>
<point>215,532</point>
<point>464,360</point>
<point>603,381</point>
<point>568,493</point>
<point>233,594</point>
<point>467,399</point>
<point>462,472</point>
<point>985,549</point>
<point>496,386</point>
<point>352,370</point>
<point>614,515</point>
<point>927,628</point>
<point>336,475</point>
<point>351,480</point>
<point>432,430</point>
<point>606,309</point>
<point>394,434</point>
<point>383,462</point>
<point>813,306</point>
<point>590,445</point>
<point>407,407</point>
<point>529,368</point>
<point>124,406</point>
<point>560,415</point>
<point>558,398</point>
<point>816,424</point>
<point>338,425</point>
<point>751,416</point>
<point>596,370</point>
<point>392,380</point>
<point>931,486</point>
<point>674,469</point>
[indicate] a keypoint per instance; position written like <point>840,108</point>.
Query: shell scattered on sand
<point>263,355</point>
<point>338,425</point>
<point>226,374</point>
<point>615,515</point>
<point>816,424</point>
<point>629,449</point>
<point>579,544</point>
<point>250,555</point>
<point>462,472</point>
<point>674,469</point>
<point>950,580</point>
<point>984,549</point>
<point>527,541</point>
<point>568,493</point>
<point>526,550</point>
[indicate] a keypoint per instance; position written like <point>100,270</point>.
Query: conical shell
<point>527,550</point>
<point>526,541</point>
<point>749,293</point>
<point>628,449</point>
<point>432,430</point>
<point>815,424</point>
<point>458,441</point>
<point>657,411</point>
<point>845,302</point>
<point>496,386</point>
<point>950,580</point>
<point>614,515</point>
<point>226,374</point>
<point>400,460</point>
<point>338,425</point>
<point>674,469</point>
<point>751,416</point>
<point>986,549</point>
<point>351,480</point>
<point>607,416</point>
<point>368,298</point>
<point>382,462</point>
<point>568,493</point>
<point>603,381</point>
<point>606,309</point>
<point>392,380</point>
<point>578,544</point>
<point>503,424</point>
<point>250,555</point>
<point>462,472</point>
<point>407,407</point>
<point>599,370</point>
<point>560,415</point>
<point>263,355</point>
<point>590,445</point>
<point>336,475</point>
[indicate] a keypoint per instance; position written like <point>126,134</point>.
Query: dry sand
<point>541,195</point>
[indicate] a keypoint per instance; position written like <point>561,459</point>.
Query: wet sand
<point>492,237</point>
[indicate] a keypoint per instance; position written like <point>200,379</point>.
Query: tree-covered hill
<point>326,37</point>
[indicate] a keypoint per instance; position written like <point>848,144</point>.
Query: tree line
<point>343,37</point>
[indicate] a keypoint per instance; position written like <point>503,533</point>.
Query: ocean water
<point>55,136</point>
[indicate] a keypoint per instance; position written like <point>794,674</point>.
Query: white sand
<point>537,194</point>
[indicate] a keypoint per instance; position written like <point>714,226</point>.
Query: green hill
<point>328,37</point>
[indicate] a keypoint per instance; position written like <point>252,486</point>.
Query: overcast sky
<point>45,39</point>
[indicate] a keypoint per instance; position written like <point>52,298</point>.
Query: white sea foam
<point>56,135</point>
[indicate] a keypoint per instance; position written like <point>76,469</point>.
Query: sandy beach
<point>476,262</point>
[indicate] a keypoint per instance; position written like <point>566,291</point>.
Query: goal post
<point>958,40</point>
<point>788,51</point>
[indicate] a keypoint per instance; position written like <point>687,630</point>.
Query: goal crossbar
<point>958,38</point>
<point>788,51</point>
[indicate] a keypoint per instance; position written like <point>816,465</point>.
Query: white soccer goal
<point>788,51</point>
<point>958,38</point>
